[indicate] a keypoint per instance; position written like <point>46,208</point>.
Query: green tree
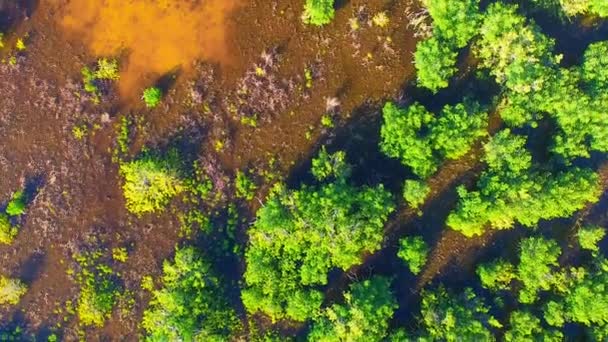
<point>457,21</point>
<point>536,269</point>
<point>435,60</point>
<point>300,235</point>
<point>589,237</point>
<point>364,316</point>
<point>150,183</point>
<point>191,305</point>
<point>245,187</point>
<point>513,190</point>
<point>413,251</point>
<point>11,290</point>
<point>421,140</point>
<point>447,316</point>
<point>496,275</point>
<point>318,12</point>
<point>401,137</point>
<point>524,326</point>
<point>415,192</point>
<point>515,51</point>
<point>595,65</point>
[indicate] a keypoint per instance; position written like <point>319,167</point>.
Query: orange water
<point>157,35</point>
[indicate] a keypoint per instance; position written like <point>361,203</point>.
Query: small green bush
<point>415,192</point>
<point>152,97</point>
<point>318,12</point>
<point>107,69</point>
<point>16,206</point>
<point>413,250</point>
<point>589,237</point>
<point>150,183</point>
<point>11,290</point>
<point>7,231</point>
<point>327,165</point>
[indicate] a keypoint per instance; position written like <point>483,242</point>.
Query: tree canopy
<point>300,235</point>
<point>364,316</point>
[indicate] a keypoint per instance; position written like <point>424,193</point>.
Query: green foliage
<point>585,7</point>
<point>512,190</point>
<point>589,237</point>
<point>150,183</point>
<point>457,21</point>
<point>524,326</point>
<point>245,187</point>
<point>413,250</point>
<point>326,166</point>
<point>300,235</point>
<point>422,141</point>
<point>447,316</point>
<point>192,304</point>
<point>415,192</point>
<point>318,12</point>
<point>457,128</point>
<point>364,316</point>
<point>7,231</point>
<point>152,97</point>
<point>99,291</point>
<point>16,206</point>
<point>537,259</point>
<point>401,137</point>
<point>435,62</point>
<point>595,65</point>
<point>514,51</point>
<point>587,301</point>
<point>11,290</point>
<point>107,69</point>
<point>496,275</point>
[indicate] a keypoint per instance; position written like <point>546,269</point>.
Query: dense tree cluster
<point>191,305</point>
<point>364,316</point>
<point>422,140</point>
<point>300,235</point>
<point>513,190</point>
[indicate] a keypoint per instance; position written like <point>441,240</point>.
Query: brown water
<point>158,36</point>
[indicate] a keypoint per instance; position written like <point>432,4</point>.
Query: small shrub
<point>245,187</point>
<point>7,231</point>
<point>17,204</point>
<point>11,290</point>
<point>150,183</point>
<point>152,97</point>
<point>318,12</point>
<point>120,254</point>
<point>381,19</point>
<point>415,192</point>
<point>98,289</point>
<point>435,62</point>
<point>413,250</point>
<point>20,45</point>
<point>107,69</point>
<point>327,165</point>
<point>589,237</point>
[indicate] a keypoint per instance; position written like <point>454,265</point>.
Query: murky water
<point>158,36</point>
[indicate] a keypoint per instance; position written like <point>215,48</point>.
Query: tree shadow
<point>31,268</point>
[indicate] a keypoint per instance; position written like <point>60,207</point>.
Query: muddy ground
<point>77,185</point>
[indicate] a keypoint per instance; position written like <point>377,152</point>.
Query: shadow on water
<point>13,12</point>
<point>31,268</point>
